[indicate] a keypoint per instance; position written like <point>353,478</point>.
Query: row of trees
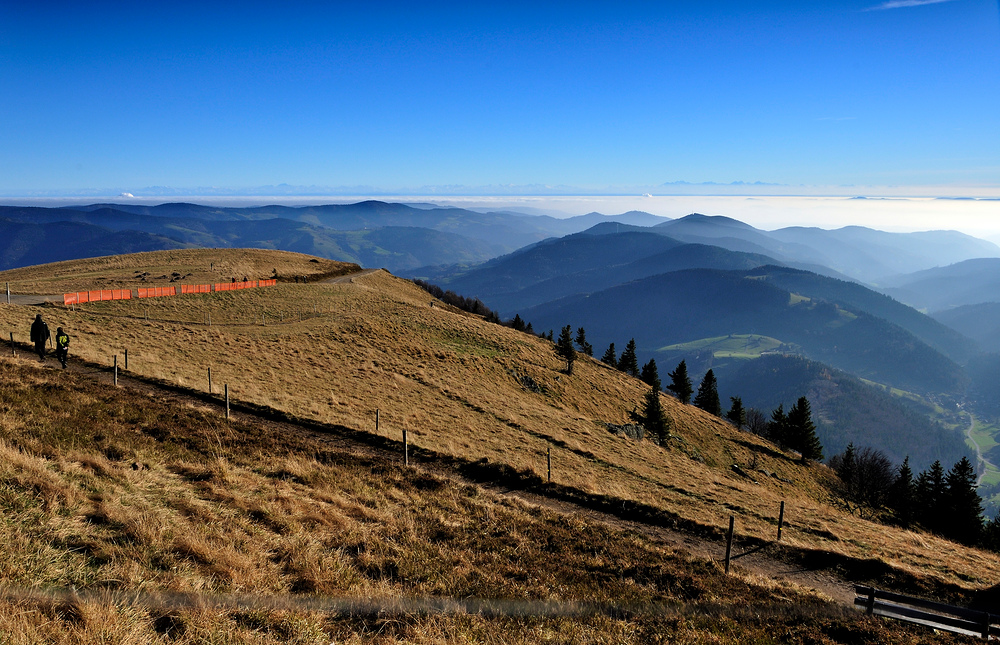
<point>946,503</point>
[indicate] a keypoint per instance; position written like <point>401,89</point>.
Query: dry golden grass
<point>157,268</point>
<point>454,382</point>
<point>291,526</point>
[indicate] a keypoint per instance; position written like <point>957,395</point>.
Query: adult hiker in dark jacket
<point>40,335</point>
<point>62,346</point>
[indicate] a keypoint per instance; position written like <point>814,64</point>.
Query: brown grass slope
<point>174,525</point>
<point>336,352</point>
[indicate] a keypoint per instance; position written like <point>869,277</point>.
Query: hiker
<point>62,346</point>
<point>40,335</point>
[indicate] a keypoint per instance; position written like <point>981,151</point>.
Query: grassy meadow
<point>130,519</point>
<point>224,508</point>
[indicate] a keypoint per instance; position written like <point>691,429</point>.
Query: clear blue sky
<point>399,96</point>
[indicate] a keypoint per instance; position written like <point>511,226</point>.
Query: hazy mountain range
<point>669,284</point>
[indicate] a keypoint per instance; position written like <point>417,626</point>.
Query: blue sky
<point>454,98</point>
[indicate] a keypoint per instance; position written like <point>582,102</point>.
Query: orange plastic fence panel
<point>69,299</point>
<point>94,296</point>
<point>126,294</point>
<point>83,297</point>
<point>106,294</point>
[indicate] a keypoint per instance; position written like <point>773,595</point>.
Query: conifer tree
<point>609,357</point>
<point>528,329</point>
<point>680,384</point>
<point>707,397</point>
<point>845,466</point>
<point>653,418</point>
<point>777,427</point>
<point>628,363</point>
<point>737,415</point>
<point>802,432</point>
<point>931,498</point>
<point>517,323</point>
<point>965,507</point>
<point>581,340</point>
<point>650,376</point>
<point>903,496</point>
<point>564,347</point>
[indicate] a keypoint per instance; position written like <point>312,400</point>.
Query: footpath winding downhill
<point>763,560</point>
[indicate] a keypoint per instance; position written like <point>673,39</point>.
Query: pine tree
<point>903,496</point>
<point>528,329</point>
<point>628,363</point>
<point>707,397</point>
<point>802,432</point>
<point>777,427</point>
<point>517,323</point>
<point>931,490</point>
<point>564,347</point>
<point>581,340</point>
<point>650,376</point>
<point>737,415</point>
<point>653,418</point>
<point>680,384</point>
<point>965,507</point>
<point>609,357</point>
<point>845,466</point>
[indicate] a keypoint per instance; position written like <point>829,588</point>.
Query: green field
<point>733,346</point>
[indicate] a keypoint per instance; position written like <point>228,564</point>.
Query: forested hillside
<point>846,410</point>
<point>687,305</point>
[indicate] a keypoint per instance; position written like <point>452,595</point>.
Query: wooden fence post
<point>13,352</point>
<point>987,619</point>
<point>126,358</point>
<point>210,380</point>
<point>781,519</point>
<point>870,606</point>
<point>8,292</point>
<point>227,400</point>
<point>406,449</point>
<point>729,540</point>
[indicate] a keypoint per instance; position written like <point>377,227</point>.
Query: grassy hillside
<point>267,510</point>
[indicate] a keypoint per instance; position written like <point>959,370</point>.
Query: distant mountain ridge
<point>436,235</point>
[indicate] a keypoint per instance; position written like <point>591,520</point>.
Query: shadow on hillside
<point>766,450</point>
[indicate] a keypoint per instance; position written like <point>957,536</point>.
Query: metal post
<point>406,449</point>
<point>729,540</point>
<point>210,380</point>
<point>781,519</point>
<point>8,292</point>
<point>548,455</point>
<point>116,370</point>
<point>227,400</point>
<point>126,358</point>
<point>376,420</point>
<point>13,352</point>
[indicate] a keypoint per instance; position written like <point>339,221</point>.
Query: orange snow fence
<point>156,292</point>
<point>82,297</point>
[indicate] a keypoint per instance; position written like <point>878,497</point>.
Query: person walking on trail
<point>62,346</point>
<point>40,335</point>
